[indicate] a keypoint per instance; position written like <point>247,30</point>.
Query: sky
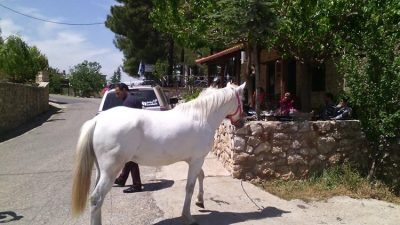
<point>65,46</point>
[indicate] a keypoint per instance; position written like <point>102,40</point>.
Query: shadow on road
<point>9,216</point>
<point>31,124</point>
<point>156,185</point>
<point>226,218</point>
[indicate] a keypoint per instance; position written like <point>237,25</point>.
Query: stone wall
<point>19,103</point>
<point>288,150</point>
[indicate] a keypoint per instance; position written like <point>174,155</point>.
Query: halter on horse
<point>121,134</point>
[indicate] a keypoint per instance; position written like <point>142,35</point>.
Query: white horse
<point>121,134</point>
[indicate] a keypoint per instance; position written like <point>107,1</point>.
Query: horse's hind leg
<point>200,199</point>
<point>194,171</point>
<point>103,186</point>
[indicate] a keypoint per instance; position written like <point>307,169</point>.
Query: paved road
<point>36,174</point>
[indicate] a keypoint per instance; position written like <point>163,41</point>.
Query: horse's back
<point>151,137</point>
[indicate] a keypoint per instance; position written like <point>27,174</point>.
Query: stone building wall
<point>288,150</point>
<point>19,103</point>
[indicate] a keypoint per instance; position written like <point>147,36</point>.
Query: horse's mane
<point>208,101</point>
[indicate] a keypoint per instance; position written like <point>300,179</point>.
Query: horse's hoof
<point>200,204</point>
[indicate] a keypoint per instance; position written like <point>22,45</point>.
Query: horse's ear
<point>229,84</point>
<point>241,87</point>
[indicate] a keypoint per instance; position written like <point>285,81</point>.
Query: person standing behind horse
<point>122,92</point>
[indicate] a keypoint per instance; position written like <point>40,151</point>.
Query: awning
<point>220,54</point>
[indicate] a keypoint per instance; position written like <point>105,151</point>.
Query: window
<point>318,78</point>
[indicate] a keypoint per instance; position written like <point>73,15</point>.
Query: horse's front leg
<point>200,199</point>
<point>194,171</point>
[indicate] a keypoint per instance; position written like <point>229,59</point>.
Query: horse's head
<point>237,114</point>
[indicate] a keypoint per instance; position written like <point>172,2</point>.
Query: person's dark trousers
<point>133,168</point>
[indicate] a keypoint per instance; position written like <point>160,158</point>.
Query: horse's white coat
<point>153,138</point>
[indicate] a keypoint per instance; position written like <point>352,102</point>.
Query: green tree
<point>372,73</point>
<point>316,31</point>
<point>86,78</point>
<point>186,21</point>
<point>55,80</point>
<point>116,77</point>
<point>135,34</point>
<point>19,62</point>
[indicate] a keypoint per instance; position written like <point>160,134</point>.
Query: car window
<point>111,101</point>
<point>148,97</point>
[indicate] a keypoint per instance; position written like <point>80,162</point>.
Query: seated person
<point>286,105</point>
<point>343,110</point>
<point>329,110</point>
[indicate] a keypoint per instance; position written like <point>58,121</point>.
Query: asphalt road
<point>36,173</point>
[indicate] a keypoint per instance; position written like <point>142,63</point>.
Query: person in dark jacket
<point>344,111</point>
<point>329,110</point>
<point>122,92</point>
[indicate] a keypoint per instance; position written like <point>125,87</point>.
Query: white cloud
<point>8,27</point>
<point>67,49</point>
<point>63,46</point>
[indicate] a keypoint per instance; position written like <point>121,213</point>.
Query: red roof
<point>220,54</point>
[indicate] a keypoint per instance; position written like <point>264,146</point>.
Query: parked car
<point>153,98</point>
<point>149,82</point>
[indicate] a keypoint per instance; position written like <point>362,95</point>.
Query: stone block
<point>276,150</point>
<point>256,129</point>
<point>326,144</point>
<point>240,158</point>
<point>302,171</point>
<point>321,157</point>
<point>260,157</point>
<point>322,127</point>
<point>250,149</point>
<point>263,147</point>
<point>295,159</point>
<point>288,176</point>
<point>281,136</point>
<point>296,144</point>
<point>304,127</point>
<point>239,144</point>
<point>253,141</point>
<point>268,172</point>
<point>245,130</point>
<point>249,176</point>
<point>335,158</point>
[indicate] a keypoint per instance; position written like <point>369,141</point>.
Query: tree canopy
<point>116,77</point>
<point>214,24</point>
<point>371,67</point>
<point>19,62</point>
<point>135,34</point>
<point>86,78</point>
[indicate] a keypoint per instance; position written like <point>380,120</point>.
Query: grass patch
<point>335,181</point>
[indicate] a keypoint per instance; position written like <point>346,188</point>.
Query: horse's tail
<point>84,160</point>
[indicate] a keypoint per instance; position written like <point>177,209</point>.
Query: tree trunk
<point>257,80</point>
<point>170,60</point>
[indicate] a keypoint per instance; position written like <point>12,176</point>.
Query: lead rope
<point>259,208</point>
